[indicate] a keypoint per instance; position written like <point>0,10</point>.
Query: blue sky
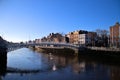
<point>21,20</point>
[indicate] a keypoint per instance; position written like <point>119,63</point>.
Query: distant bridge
<point>45,44</point>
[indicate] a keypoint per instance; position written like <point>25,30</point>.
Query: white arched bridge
<point>45,44</point>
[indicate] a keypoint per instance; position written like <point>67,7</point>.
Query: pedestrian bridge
<point>45,44</point>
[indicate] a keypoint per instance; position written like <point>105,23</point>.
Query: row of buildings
<point>52,37</point>
<point>81,37</point>
<point>86,38</point>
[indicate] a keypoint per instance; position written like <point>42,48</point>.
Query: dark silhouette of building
<point>3,44</point>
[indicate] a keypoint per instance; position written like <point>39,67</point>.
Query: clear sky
<point>21,20</point>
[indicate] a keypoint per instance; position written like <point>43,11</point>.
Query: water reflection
<point>115,73</point>
<point>93,69</point>
<point>59,67</point>
<point>54,67</point>
<point>3,63</point>
<point>79,67</point>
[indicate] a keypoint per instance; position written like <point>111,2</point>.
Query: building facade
<point>82,37</point>
<point>54,37</point>
<point>115,35</point>
<point>37,40</point>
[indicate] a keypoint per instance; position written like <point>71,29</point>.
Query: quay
<point>104,49</point>
<point>101,54</point>
<point>56,50</point>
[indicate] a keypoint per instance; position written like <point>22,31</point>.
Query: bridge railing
<point>46,44</point>
<point>53,43</point>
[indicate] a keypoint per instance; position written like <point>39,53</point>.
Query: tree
<point>102,37</point>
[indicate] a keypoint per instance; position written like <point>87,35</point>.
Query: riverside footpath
<point>104,49</point>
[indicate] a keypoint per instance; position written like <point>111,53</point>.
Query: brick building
<point>37,40</point>
<point>115,35</point>
<point>82,37</point>
<point>54,37</point>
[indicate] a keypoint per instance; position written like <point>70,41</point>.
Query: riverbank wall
<point>53,50</point>
<point>88,51</point>
<point>101,55</point>
<point>85,51</point>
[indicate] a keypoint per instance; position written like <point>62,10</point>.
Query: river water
<point>26,64</point>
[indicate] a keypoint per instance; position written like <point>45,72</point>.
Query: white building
<point>84,39</point>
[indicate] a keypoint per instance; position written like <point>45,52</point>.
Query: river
<point>26,64</point>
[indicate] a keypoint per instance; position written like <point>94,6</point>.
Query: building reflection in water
<point>115,73</point>
<point>54,68</point>
<point>82,66</point>
<point>3,63</point>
